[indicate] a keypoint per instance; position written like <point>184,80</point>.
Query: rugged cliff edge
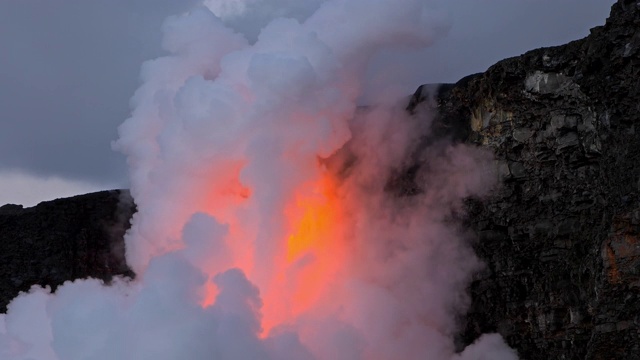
<point>61,240</point>
<point>560,235</point>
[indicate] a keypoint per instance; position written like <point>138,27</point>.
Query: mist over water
<point>265,227</point>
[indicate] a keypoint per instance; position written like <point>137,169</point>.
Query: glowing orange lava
<point>311,256</point>
<point>311,219</point>
<point>305,260</point>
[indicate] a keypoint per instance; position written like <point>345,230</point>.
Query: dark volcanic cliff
<point>560,235</point>
<point>62,240</point>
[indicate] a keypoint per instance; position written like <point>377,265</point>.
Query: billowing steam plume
<point>266,227</point>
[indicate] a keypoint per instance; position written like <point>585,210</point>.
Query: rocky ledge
<point>63,240</point>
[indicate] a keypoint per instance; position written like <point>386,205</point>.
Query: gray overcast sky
<point>69,67</point>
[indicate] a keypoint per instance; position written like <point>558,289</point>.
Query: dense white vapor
<point>230,144</point>
<point>250,16</point>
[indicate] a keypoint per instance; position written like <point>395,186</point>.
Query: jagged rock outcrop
<point>561,235</point>
<point>63,240</point>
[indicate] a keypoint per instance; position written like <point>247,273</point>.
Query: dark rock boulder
<point>61,240</point>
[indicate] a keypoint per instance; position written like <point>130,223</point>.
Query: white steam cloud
<point>264,230</point>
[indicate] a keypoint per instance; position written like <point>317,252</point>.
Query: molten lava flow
<point>314,245</point>
<point>307,255</point>
<point>311,219</point>
<point>312,253</point>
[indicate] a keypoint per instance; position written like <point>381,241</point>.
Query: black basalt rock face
<point>561,234</point>
<point>61,240</point>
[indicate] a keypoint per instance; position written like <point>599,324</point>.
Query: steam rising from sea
<point>264,230</point>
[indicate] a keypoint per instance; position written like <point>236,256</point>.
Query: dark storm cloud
<point>68,68</point>
<point>67,71</point>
